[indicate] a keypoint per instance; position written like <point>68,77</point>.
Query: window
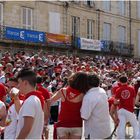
<point>54,22</point>
<point>90,24</point>
<point>27,18</point>
<point>89,3</point>
<point>121,7</point>
<point>122,34</point>
<point>107,5</point>
<point>75,26</point>
<point>85,2</point>
<point>138,9</point>
<point>75,1</point>
<point>1,14</point>
<point>106,31</point>
<point>138,43</point>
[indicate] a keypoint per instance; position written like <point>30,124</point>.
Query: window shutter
<point>122,7</point>
<point>138,9</point>
<point>122,34</point>
<point>107,31</point>
<point>85,2</point>
<point>92,4</point>
<point>29,17</point>
<point>24,16</point>
<point>1,13</point>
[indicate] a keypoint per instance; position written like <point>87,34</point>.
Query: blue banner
<point>25,35</point>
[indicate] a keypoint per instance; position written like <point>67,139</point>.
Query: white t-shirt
<point>12,118</point>
<point>32,107</point>
<point>95,112</point>
<point>10,130</point>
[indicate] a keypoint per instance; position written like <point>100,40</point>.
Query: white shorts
<point>64,131</point>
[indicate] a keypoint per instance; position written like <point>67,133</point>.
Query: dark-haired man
<point>31,115</point>
<point>95,111</point>
<point>125,98</point>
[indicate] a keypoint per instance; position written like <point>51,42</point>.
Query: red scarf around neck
<point>72,93</point>
<point>38,94</point>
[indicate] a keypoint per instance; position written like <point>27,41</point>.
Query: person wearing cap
<point>124,98</point>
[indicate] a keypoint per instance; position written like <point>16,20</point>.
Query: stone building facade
<point>117,22</point>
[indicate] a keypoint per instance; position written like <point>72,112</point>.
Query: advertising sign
<point>25,35</point>
<point>58,39</point>
<point>90,44</point>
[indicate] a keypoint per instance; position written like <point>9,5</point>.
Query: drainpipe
<point>98,22</point>
<point>130,21</point>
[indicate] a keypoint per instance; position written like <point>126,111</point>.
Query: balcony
<point>117,48</point>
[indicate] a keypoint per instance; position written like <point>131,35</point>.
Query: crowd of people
<point>90,90</point>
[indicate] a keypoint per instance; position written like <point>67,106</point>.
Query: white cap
<point>138,79</point>
<point>14,91</point>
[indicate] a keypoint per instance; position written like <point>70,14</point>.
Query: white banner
<point>90,44</point>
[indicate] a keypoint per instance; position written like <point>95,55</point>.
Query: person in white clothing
<point>95,111</point>
<point>125,99</point>
<point>11,122</point>
<point>12,114</point>
<point>2,118</point>
<point>31,115</point>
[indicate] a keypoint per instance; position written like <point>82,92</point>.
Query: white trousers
<point>138,137</point>
<point>124,117</point>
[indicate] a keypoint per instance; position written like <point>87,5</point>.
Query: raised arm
<point>113,114</point>
<point>58,95</point>
<point>2,116</point>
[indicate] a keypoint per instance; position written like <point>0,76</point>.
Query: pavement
<point>129,132</point>
<point>50,132</point>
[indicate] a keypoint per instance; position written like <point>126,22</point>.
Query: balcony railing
<point>109,47</point>
<point>117,48</point>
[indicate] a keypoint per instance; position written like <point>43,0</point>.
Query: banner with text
<point>90,44</point>
<point>25,35</point>
<point>60,39</point>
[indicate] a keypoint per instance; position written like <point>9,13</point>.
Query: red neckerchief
<point>38,94</point>
<point>72,93</point>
